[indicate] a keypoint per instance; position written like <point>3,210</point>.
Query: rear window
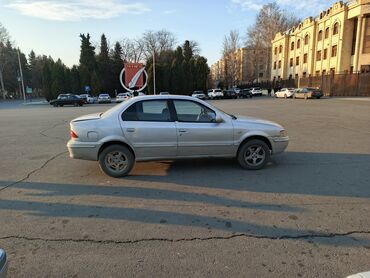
<point>148,111</point>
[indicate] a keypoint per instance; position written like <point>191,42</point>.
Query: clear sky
<point>52,27</point>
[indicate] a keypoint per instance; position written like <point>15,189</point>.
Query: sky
<point>52,27</point>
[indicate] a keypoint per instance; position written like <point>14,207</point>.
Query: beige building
<point>244,66</point>
<point>338,41</point>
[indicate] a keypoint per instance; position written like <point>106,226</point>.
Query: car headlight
<point>283,133</point>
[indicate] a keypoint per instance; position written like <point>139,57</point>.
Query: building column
<point>360,19</point>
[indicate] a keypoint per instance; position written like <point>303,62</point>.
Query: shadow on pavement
<point>324,174</point>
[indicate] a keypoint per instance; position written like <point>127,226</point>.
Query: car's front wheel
<point>116,161</point>
<point>253,154</point>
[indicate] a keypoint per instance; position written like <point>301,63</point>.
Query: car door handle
<point>183,130</point>
<point>130,129</point>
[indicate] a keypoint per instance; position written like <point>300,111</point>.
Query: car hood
<point>252,120</point>
<point>88,117</point>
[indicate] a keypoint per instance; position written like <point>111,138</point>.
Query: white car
<point>256,91</point>
<point>123,97</point>
<point>215,94</point>
<point>285,93</point>
<point>87,98</point>
<point>199,94</point>
<point>104,98</point>
<point>164,93</point>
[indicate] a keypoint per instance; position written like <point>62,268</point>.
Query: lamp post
<point>154,90</point>
<point>21,75</point>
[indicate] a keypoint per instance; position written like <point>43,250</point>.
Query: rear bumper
<point>83,150</point>
<point>279,144</point>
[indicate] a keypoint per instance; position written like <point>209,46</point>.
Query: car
<point>122,97</point>
<point>67,99</point>
<point>245,93</point>
<point>164,93</point>
<point>199,94</point>
<point>285,93</point>
<point>3,264</point>
<point>215,94</point>
<point>256,91</point>
<point>87,98</point>
<point>104,98</point>
<point>307,93</point>
<point>171,127</point>
<point>230,94</point>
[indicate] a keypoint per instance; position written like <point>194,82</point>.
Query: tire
<point>257,160</point>
<point>123,156</point>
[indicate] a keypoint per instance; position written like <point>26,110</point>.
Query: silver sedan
<point>172,127</point>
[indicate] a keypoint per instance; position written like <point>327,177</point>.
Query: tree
<point>104,76</point>
<point>117,65</point>
<point>87,60</point>
<point>4,35</point>
<point>157,42</point>
<point>232,58</point>
<point>270,20</point>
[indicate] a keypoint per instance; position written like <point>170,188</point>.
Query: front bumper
<point>279,144</point>
<point>83,150</point>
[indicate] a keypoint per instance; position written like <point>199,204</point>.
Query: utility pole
<point>21,75</point>
<point>2,82</point>
<point>154,72</point>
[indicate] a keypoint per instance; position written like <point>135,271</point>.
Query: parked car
<point>123,97</point>
<point>307,93</point>
<point>199,94</point>
<point>245,93</point>
<point>171,127</point>
<point>230,93</point>
<point>215,94</point>
<point>256,91</point>
<point>3,264</point>
<point>87,98</point>
<point>67,99</point>
<point>164,93</point>
<point>285,93</point>
<point>104,98</point>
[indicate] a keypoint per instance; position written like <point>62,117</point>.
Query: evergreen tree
<point>87,60</point>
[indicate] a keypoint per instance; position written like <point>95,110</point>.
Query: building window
<point>304,74</point>
<point>327,33</point>
<point>323,72</point>
<point>319,36</point>
<point>298,44</point>
<point>291,62</point>
<point>336,28</point>
<point>334,51</point>
<point>261,74</point>
<point>306,39</point>
<point>318,55</point>
<point>354,36</point>
<point>366,48</point>
<point>305,58</point>
<point>292,46</point>
<point>280,48</point>
<point>275,51</point>
<point>332,70</point>
<point>275,65</point>
<point>280,64</point>
<point>325,54</point>
<point>297,61</point>
<point>317,73</point>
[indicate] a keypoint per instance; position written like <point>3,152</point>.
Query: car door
<point>150,129</point>
<point>198,133</point>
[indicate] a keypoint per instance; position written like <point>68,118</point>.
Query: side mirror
<point>218,119</point>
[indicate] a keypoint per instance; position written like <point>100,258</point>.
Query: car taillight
<point>73,135</point>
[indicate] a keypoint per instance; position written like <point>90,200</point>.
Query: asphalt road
<point>305,215</point>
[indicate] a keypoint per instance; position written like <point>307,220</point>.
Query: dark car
<point>307,93</point>
<point>3,264</point>
<point>67,99</point>
<point>230,94</point>
<point>245,93</point>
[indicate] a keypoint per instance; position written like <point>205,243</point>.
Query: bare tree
<point>271,19</point>
<point>4,38</point>
<point>4,35</point>
<point>232,58</point>
<point>158,42</point>
<point>132,50</point>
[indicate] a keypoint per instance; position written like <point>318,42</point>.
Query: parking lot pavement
<point>305,215</point>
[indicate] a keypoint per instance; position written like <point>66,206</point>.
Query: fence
<point>346,85</point>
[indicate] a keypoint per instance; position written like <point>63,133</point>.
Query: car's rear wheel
<point>116,161</point>
<point>253,155</point>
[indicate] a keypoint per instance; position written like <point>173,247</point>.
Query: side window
<point>189,111</point>
<point>148,111</point>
